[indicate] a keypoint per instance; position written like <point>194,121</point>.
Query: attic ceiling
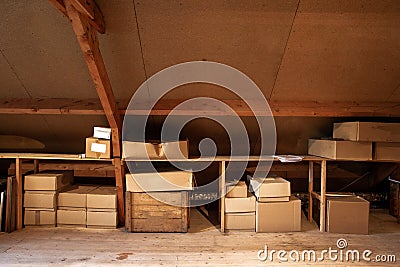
<point>308,50</point>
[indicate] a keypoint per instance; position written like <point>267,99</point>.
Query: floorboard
<point>203,245</point>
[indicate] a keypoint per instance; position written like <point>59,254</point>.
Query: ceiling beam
<point>87,7</point>
<point>65,106</point>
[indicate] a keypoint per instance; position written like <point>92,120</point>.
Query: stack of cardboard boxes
<point>102,208</point>
<point>355,141</point>
<point>359,141</point>
<point>88,206</point>
<point>40,198</point>
<point>99,145</point>
<point>240,207</point>
<point>276,209</point>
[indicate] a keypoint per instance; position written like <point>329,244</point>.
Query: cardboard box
<point>75,197</point>
<point>49,181</point>
<point>75,217</point>
<point>155,150</point>
<point>159,181</point>
<point>39,201</point>
<point>240,221</point>
<point>40,217</point>
<point>347,215</point>
<point>269,187</point>
<point>242,204</point>
<point>278,216</point>
<point>104,197</point>
<point>367,131</point>
<point>341,150</point>
<point>98,148</point>
<point>101,219</point>
<point>102,133</point>
<point>236,189</point>
<point>387,151</point>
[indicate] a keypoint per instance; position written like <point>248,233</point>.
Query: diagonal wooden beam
<point>87,7</point>
<point>87,39</point>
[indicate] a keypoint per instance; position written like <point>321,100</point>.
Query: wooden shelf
<point>47,156</point>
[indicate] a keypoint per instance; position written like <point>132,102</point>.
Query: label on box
<point>102,133</point>
<point>96,147</point>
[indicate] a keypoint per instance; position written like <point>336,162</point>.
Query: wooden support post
<point>89,43</point>
<point>310,190</point>
<point>35,166</point>
<point>323,197</point>
<point>119,182</point>
<point>19,204</point>
<point>222,192</point>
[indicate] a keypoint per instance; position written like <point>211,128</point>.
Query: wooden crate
<point>146,214</point>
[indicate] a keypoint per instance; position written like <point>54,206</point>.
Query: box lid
<point>270,187</point>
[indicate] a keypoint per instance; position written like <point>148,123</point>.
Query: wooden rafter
<point>57,106</point>
<point>87,7</point>
<point>85,17</point>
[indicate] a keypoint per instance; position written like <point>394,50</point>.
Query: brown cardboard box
<point>155,150</point>
<point>269,187</point>
<point>347,215</point>
<point>102,198</point>
<point>76,217</point>
<point>102,219</point>
<point>39,201</point>
<point>240,221</point>
<point>98,148</point>
<point>278,216</point>
<point>49,181</point>
<point>75,197</point>
<point>242,204</point>
<point>236,189</point>
<point>345,150</point>
<point>367,131</point>
<point>159,181</point>
<point>387,151</point>
<point>40,217</point>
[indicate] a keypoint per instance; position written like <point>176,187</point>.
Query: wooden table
<point>20,157</point>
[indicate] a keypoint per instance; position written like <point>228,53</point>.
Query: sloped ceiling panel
<point>247,35</point>
<point>342,51</point>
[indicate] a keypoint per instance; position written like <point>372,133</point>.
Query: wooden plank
<point>87,7</point>
<point>128,215</point>
<point>161,225</point>
<point>67,106</point>
<point>310,189</point>
<point>19,195</point>
<point>119,182</point>
<point>88,41</point>
<point>165,211</point>
<point>323,197</point>
<point>175,198</point>
<point>222,192</point>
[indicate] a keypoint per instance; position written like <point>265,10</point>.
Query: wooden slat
<point>222,192</point>
<point>310,189</point>
<point>128,210</point>
<point>19,186</point>
<point>164,106</point>
<point>323,197</point>
<point>87,7</point>
<point>119,182</point>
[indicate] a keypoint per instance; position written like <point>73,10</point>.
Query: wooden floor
<point>203,245</point>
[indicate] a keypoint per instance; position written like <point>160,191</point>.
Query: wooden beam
<point>65,106</point>
<point>310,190</point>
<point>87,39</point>
<point>87,7</point>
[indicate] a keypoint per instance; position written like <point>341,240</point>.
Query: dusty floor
<point>203,245</point>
